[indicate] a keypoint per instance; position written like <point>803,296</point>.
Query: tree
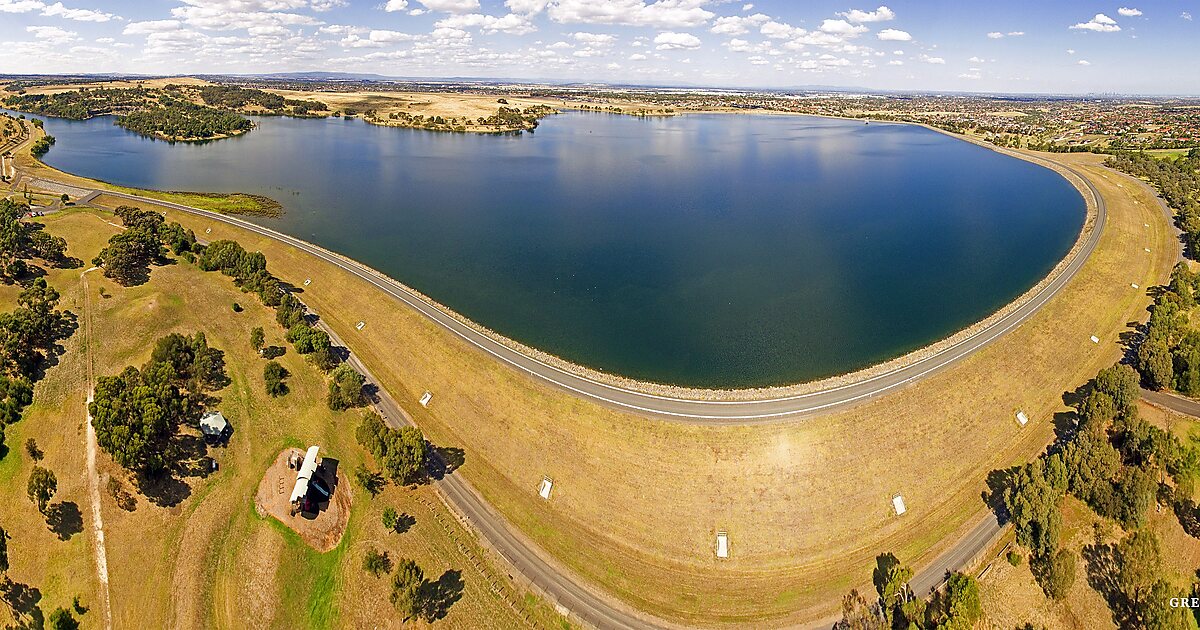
<point>401,452</point>
<point>193,361</point>
<point>273,374</point>
<point>346,389</point>
<point>31,448</point>
<point>390,518</point>
<point>1032,501</point>
<point>1140,563</point>
<point>1122,383</point>
<point>368,480</point>
<point>1156,364</point>
<point>257,339</point>
<point>3,551</point>
<point>61,618</point>
<point>962,605</point>
<point>136,413</point>
<point>408,589</point>
<point>859,614</point>
<point>376,562</point>
<point>891,582</point>
<point>42,486</point>
<point>1059,574</point>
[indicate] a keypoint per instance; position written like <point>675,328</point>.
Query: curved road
<point>690,410</point>
<point>562,585</point>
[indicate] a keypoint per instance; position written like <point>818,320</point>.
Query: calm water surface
<point>718,251</point>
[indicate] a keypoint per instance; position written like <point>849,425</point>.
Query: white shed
<point>304,475</point>
<point>213,424</point>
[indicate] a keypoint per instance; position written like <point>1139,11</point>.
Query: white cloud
<point>395,5</point>
<point>1100,24</point>
<point>594,39</point>
<point>512,23</point>
<point>526,7</point>
<point>451,6</point>
<point>758,60</point>
<point>895,62</point>
<point>894,35</point>
<point>736,25</point>
<point>676,41</point>
<point>81,15</point>
<point>748,7</point>
<point>1070,51</point>
<point>934,60</point>
<point>976,60</point>
<point>51,34</point>
<point>841,27</point>
<point>1015,33</point>
<point>972,75</point>
<point>1128,12</point>
<point>20,6</point>
<point>882,14</point>
<point>659,14</point>
<point>995,35</point>
<point>152,26</point>
<point>1185,15</point>
<point>637,57</point>
<point>1084,62</point>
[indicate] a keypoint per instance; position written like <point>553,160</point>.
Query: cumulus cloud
<point>934,60</point>
<point>594,39</point>
<point>152,26</point>
<point>637,57</point>
<point>512,23</point>
<point>894,35</point>
<point>676,41</point>
<point>895,62</point>
<point>395,5</point>
<point>1084,62</point>
<point>1100,23</point>
<point>660,14</point>
<point>51,34</point>
<point>451,6</point>
<point>841,27</point>
<point>1129,12</point>
<point>882,14</point>
<point>526,7</point>
<point>82,15</point>
<point>736,25</point>
<point>1185,15</point>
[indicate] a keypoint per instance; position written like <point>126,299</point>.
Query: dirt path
<point>93,478</point>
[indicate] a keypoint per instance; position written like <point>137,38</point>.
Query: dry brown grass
<point>637,501</point>
<point>208,560</point>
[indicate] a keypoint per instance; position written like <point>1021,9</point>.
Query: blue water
<point>703,250</point>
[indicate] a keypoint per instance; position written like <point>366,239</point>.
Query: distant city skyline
<point>1016,47</point>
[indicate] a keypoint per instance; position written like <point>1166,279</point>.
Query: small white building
<point>545,487</point>
<point>898,504</point>
<point>213,425</point>
<point>1022,419</point>
<point>722,544</point>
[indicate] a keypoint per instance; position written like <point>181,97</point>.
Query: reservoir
<point>701,250</point>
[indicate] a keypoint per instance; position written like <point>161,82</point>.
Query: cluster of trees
<point>82,103</point>
<point>128,255</point>
<point>346,388</point>
<point>23,240</point>
<point>185,121</point>
<point>27,335</point>
<point>1112,461</point>
<point>400,452</point>
<point>1169,354</point>
<point>1177,181</point>
<point>138,412</point>
<point>233,97</point>
<point>41,146</point>
<point>957,606</point>
<point>273,375</point>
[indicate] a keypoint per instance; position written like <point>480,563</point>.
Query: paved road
<point>1174,402</point>
<point>688,410</point>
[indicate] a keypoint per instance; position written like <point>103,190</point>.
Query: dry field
<point>806,503</point>
<point>201,556</point>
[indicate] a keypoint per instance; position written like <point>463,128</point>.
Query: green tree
<point>390,518</point>
<point>891,582</point>
<point>1059,574</point>
<point>136,413</point>
<point>257,339</point>
<point>42,486</point>
<point>1122,383</point>
<point>368,480</point>
<point>1033,502</point>
<point>62,619</point>
<point>408,589</point>
<point>859,614</point>
<point>1156,364</point>
<point>346,389</point>
<point>962,604</point>
<point>377,563</point>
<point>273,374</point>
<point>1140,560</point>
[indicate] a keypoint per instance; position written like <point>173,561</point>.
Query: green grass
<point>225,203</point>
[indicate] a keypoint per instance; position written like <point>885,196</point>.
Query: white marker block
<point>1134,285</point>
<point>722,544</point>
<point>425,398</point>
<point>208,231</point>
<point>1095,339</point>
<point>545,487</point>
<point>307,281</point>
<point>898,505</point>
<point>1022,418</point>
<point>1147,250</point>
<point>359,325</point>
<point>1145,225</point>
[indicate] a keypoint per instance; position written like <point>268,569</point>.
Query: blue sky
<point>1017,46</point>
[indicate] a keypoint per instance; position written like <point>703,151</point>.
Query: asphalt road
<point>1174,402</point>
